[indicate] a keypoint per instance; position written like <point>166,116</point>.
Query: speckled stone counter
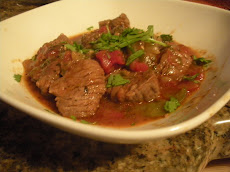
<point>27,144</point>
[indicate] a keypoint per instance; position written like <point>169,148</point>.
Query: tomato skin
<point>117,57</point>
<point>103,29</point>
<point>105,62</point>
<point>137,66</point>
<point>110,60</point>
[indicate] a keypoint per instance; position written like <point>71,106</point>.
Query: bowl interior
<point>198,26</point>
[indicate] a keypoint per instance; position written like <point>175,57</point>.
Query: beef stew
<point>116,75</point>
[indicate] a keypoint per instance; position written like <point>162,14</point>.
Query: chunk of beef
<point>174,63</point>
<point>46,66</point>
<point>90,37</point>
<point>79,91</point>
<point>143,86</point>
<point>46,49</point>
<point>116,27</point>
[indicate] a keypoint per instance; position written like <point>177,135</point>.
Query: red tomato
<point>138,66</point>
<point>117,57</point>
<point>103,29</point>
<point>110,60</point>
<point>105,62</point>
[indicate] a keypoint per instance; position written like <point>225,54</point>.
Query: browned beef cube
<point>79,91</point>
<point>116,26</point>
<point>143,86</point>
<point>46,67</point>
<point>174,62</point>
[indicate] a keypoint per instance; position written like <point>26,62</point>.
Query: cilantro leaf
<point>190,78</point>
<point>70,47</point>
<point>76,48</point>
<point>90,28</point>
<point>84,122</point>
<point>116,80</point>
<point>134,56</point>
<point>17,77</point>
<point>166,37</point>
<point>34,57</point>
<point>133,124</point>
<point>73,117</point>
<point>87,122</point>
<point>129,36</point>
<point>171,105</point>
<point>201,61</point>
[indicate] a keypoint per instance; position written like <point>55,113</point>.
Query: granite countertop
<point>27,144</point>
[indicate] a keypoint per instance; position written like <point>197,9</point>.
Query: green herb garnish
<point>34,57</point>
<point>129,36</point>
<point>70,47</point>
<point>87,122</point>
<point>190,78</point>
<point>73,117</point>
<point>116,80</point>
<point>201,61</point>
<point>133,124</point>
<point>107,28</point>
<point>166,37</point>
<point>171,105</point>
<point>76,48</point>
<point>90,28</point>
<point>134,56</point>
<point>17,77</point>
<point>84,122</point>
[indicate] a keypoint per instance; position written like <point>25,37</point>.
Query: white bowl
<point>199,26</point>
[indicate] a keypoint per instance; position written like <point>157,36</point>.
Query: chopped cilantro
<point>76,48</point>
<point>34,57</point>
<point>17,77</point>
<point>70,47</point>
<point>131,48</point>
<point>90,28</point>
<point>73,117</point>
<point>87,122</point>
<point>201,61</point>
<point>171,105</point>
<point>129,36</point>
<point>84,122</point>
<point>190,78</point>
<point>107,28</point>
<point>116,80</point>
<point>166,37</point>
<point>133,124</point>
<point>131,31</point>
<point>134,56</point>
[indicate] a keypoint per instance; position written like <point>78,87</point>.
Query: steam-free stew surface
<point>114,76</point>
